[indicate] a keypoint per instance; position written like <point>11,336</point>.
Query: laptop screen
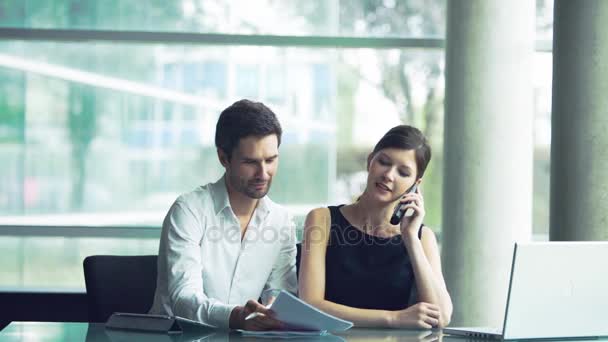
<point>558,289</point>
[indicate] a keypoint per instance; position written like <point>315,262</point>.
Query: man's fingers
<point>265,311</point>
<point>268,323</point>
<point>253,327</point>
<point>254,306</point>
<point>271,300</point>
<point>262,318</point>
<point>258,324</point>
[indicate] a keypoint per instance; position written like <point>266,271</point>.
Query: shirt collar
<point>220,195</point>
<point>263,206</point>
<point>221,200</point>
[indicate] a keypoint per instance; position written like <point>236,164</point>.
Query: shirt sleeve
<point>283,275</point>
<point>183,234</point>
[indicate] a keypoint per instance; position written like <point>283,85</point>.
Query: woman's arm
<point>312,284</point>
<point>312,274</point>
<point>426,263</point>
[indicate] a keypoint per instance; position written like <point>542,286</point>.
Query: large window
<point>96,131</point>
<point>108,112</point>
<point>367,18</point>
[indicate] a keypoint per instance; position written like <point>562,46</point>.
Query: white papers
<point>298,315</point>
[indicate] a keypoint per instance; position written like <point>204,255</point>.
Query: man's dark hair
<point>242,119</point>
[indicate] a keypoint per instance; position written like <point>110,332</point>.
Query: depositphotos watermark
<point>265,234</point>
<point>338,236</point>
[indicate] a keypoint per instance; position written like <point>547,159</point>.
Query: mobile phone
<point>399,208</point>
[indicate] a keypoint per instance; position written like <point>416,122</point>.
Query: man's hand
<point>270,300</point>
<point>262,321</point>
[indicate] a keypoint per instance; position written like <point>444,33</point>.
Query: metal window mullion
<point>189,38</point>
<point>183,38</point>
<point>80,231</point>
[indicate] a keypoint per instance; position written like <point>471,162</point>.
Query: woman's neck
<point>372,215</point>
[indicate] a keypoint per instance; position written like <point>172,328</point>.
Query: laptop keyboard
<point>494,331</point>
<point>482,332</point>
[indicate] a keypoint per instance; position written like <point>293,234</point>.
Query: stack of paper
<point>301,319</point>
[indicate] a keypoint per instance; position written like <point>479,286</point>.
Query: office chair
<point>298,257</point>
<point>119,284</point>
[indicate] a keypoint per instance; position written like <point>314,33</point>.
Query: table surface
<point>96,332</point>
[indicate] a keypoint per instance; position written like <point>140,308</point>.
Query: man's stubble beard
<point>243,187</point>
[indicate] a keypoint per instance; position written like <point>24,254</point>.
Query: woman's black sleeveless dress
<point>366,271</point>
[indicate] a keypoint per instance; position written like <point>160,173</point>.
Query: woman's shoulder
<point>317,226</point>
<point>319,212</point>
<point>325,212</point>
<point>324,216</point>
<point>318,216</point>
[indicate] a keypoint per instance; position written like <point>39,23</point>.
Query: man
<point>224,243</point>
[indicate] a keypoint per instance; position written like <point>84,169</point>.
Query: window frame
<point>179,38</point>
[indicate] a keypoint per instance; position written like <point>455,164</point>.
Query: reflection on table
<point>96,332</point>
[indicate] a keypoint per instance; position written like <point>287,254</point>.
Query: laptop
<point>556,290</point>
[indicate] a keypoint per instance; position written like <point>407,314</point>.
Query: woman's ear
<point>369,160</point>
<point>418,184</point>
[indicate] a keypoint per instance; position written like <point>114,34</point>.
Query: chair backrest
<point>298,258</point>
<point>119,284</point>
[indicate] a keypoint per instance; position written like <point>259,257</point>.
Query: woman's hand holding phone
<point>411,224</point>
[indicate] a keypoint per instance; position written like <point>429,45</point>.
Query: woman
<point>357,266</point>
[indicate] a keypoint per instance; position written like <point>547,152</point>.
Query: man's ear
<point>223,157</point>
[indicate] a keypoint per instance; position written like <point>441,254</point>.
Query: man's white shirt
<point>205,271</point>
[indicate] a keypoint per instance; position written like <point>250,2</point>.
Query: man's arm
<point>180,250</point>
<point>283,275</point>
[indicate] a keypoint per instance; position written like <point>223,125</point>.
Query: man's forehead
<point>253,147</point>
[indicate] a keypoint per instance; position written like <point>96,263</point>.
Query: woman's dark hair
<point>407,138</point>
<point>242,119</point>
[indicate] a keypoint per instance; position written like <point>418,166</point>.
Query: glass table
<point>96,332</point>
